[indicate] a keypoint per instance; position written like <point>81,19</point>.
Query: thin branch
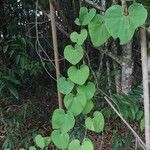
<point>111,55</point>
<point>37,43</point>
<point>58,24</point>
<point>93,4</point>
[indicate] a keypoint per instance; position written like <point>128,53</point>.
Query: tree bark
<point>127,68</point>
<point>145,86</point>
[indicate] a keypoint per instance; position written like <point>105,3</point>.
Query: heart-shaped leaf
<point>98,31</point>
<point>62,121</point>
<point>88,107</point>
<point>64,85</point>
<point>40,141</point>
<point>47,140</point>
<point>86,145</point>
<point>123,26</point>
<point>32,148</point>
<point>75,104</point>
<point>78,76</point>
<point>88,90</point>
<point>95,124</point>
<point>73,54</point>
<point>79,38</point>
<point>85,16</point>
<point>61,140</point>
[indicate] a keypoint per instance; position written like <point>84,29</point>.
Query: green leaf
<point>139,115</point>
<point>123,26</point>
<point>73,54</point>
<point>88,107</point>
<point>88,90</point>
<point>95,124</point>
<point>5,49</point>
<point>86,145</point>
<point>32,148</point>
<point>79,38</point>
<point>13,91</point>
<point>61,140</point>
<point>75,104</point>
<point>85,16</point>
<point>142,125</point>
<point>40,141</point>
<point>78,76</point>
<point>62,121</point>
<point>98,31</point>
<point>64,85</point>
<point>47,140</point>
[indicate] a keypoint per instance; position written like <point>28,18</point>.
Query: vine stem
<point>55,47</point>
<point>145,86</point>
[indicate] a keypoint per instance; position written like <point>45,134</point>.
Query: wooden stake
<point>145,86</point>
<point>55,47</point>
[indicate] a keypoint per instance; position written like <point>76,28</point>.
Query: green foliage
<point>75,104</point>
<point>88,107</point>
<point>129,104</point>
<point>123,25</point>
<point>78,76</point>
<point>86,145</point>
<point>8,82</point>
<point>41,141</point>
<point>73,54</point>
<point>77,89</point>
<point>32,148</point>
<point>85,16</point>
<point>61,140</point>
<point>142,125</point>
<point>98,31</point>
<point>79,38</point>
<point>62,121</point>
<point>95,124</point>
<point>64,85</point>
<point>88,90</point>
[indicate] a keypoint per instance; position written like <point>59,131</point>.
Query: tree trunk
<point>127,68</point>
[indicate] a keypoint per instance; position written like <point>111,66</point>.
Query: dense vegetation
<point>87,96</point>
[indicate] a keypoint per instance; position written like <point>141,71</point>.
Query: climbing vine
<point>77,89</point>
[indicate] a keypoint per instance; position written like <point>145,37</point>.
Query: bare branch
<point>94,5</point>
<point>111,55</point>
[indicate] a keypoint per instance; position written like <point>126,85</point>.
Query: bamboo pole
<point>55,48</point>
<point>145,86</point>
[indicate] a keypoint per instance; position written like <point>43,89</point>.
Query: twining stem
<point>145,86</point>
<point>55,47</point>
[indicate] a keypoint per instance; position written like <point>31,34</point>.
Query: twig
<point>94,5</point>
<point>111,55</point>
<point>58,24</point>
<point>37,43</point>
